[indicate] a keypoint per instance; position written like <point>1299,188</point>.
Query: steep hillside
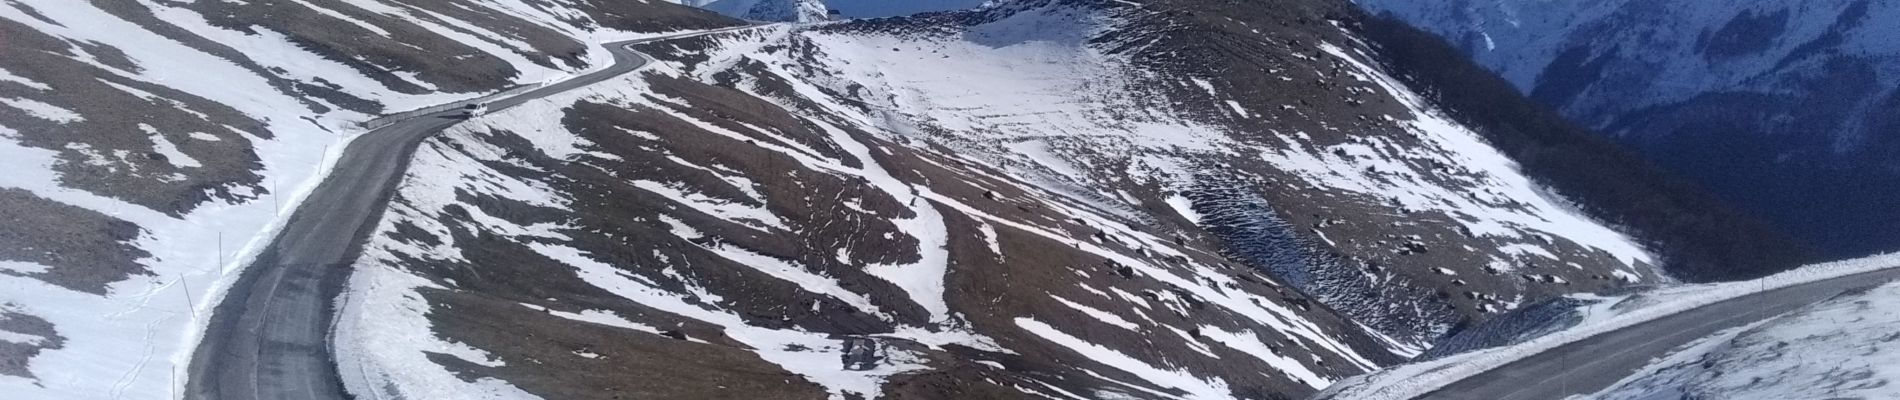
<point>149,145</point>
<point>1785,108</point>
<point>734,237</point>
<point>1699,237</point>
<point>1184,198</point>
<point>1038,198</point>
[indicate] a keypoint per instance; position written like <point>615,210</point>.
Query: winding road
<point>1594,363</point>
<point>270,337</point>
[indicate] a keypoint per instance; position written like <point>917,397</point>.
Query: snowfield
<point>1412,380</point>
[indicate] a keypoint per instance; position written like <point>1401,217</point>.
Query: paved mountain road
<point>1594,363</point>
<point>269,338</point>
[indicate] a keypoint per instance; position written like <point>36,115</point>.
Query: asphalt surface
<point>269,338</point>
<point>1595,363</point>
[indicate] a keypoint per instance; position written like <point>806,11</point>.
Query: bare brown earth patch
<point>14,356</point>
<point>84,250</point>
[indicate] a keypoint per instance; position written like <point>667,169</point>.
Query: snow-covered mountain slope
<point>769,10</point>
<point>1075,199</point>
<point>779,10</point>
<point>734,239</point>
<point>882,8</point>
<point>1838,349</point>
<point>1070,198</point>
<point>1784,107</point>
<point>1303,179</point>
<point>149,145</point>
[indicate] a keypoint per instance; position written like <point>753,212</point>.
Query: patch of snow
<point>1184,207</point>
<point>1238,109</point>
<point>1099,315</point>
<point>22,267</point>
<point>602,318</point>
<point>20,338</point>
<point>1527,250</point>
<point>41,110</point>
<point>742,214</point>
<point>344,17</point>
<point>1196,387</point>
<point>8,76</point>
<point>796,274</point>
<point>165,147</point>
<point>1248,342</point>
<point>990,238</point>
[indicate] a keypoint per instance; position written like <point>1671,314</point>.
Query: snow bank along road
<point>1591,364</point>
<point>269,339</point>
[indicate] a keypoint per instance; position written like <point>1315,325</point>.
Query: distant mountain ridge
<point>817,10</point>
<point>1786,108</point>
<point>771,10</point>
